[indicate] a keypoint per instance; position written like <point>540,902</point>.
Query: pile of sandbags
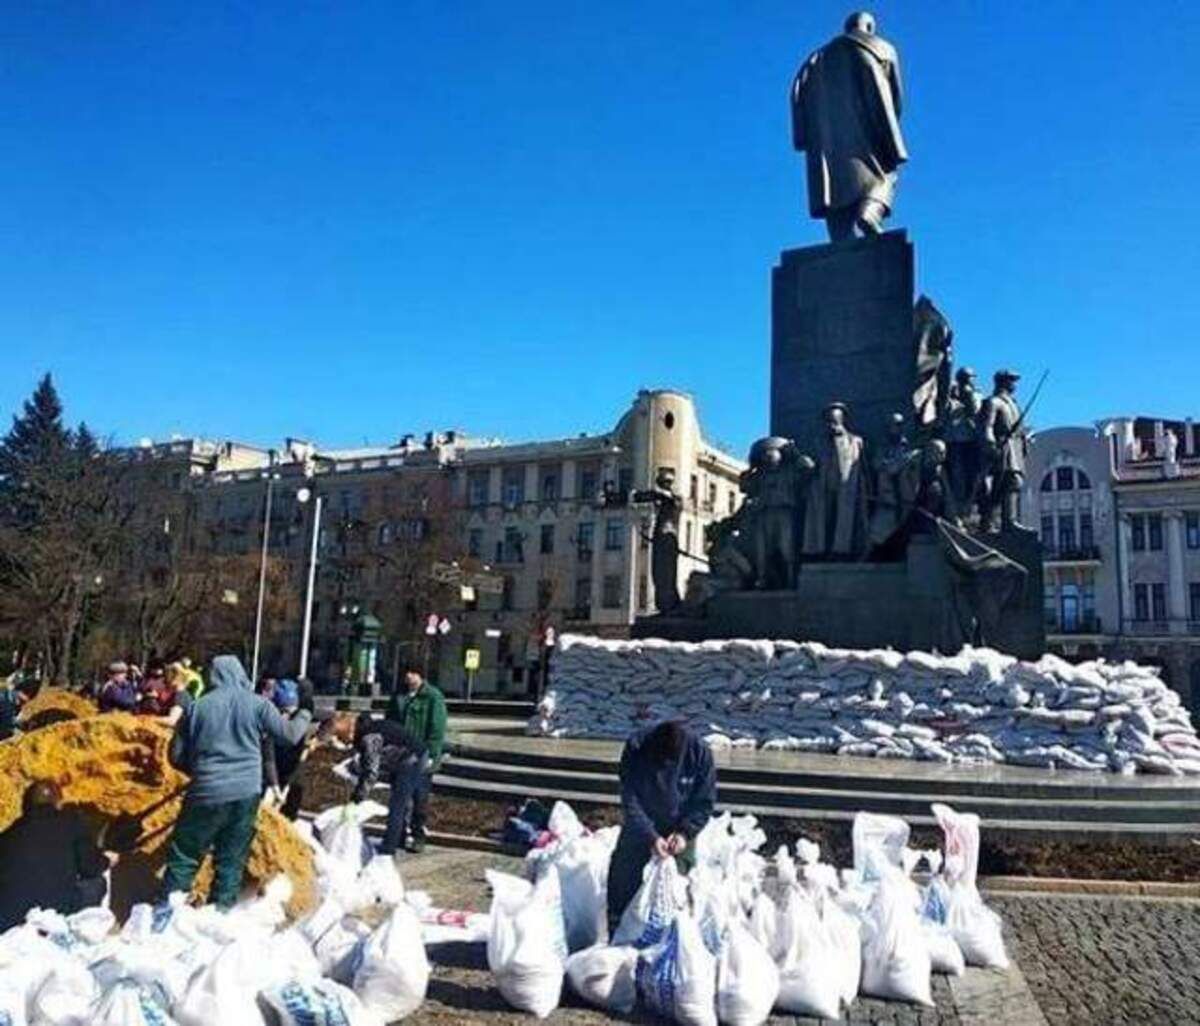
<point>357,960</point>
<point>740,936</point>
<point>114,767</point>
<point>979,706</point>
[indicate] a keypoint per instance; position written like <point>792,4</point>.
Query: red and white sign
<point>550,637</point>
<point>431,623</point>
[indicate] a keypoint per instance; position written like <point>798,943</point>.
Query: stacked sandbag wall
<point>979,706</point>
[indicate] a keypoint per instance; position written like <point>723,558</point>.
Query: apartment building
<point>550,533</point>
<point>1118,506</point>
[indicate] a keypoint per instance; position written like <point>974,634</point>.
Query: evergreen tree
<point>36,440</point>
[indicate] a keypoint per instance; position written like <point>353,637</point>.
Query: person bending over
<point>668,790</point>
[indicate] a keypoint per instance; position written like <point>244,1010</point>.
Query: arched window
<point>1085,482</point>
<point>1064,479</point>
<point>1048,481</point>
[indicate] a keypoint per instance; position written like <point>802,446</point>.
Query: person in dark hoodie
<point>48,859</point>
<point>387,753</point>
<point>668,790</point>
<point>218,742</point>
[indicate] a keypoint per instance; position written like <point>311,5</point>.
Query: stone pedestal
<point>842,329</point>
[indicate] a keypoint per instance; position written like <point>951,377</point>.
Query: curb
<point>1068,885</point>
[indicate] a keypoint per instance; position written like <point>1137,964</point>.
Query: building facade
<point>526,537</point>
<point>1118,506</point>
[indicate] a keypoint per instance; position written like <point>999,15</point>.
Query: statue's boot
<point>871,215</point>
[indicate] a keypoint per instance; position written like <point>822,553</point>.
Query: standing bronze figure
<point>1003,442</point>
<point>664,540</point>
<point>846,120</point>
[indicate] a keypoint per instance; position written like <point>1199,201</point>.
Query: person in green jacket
<point>421,710</point>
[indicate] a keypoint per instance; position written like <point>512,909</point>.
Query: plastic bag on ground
<point>895,959</point>
<point>394,973</point>
<point>526,947</point>
<point>845,931</point>
<point>811,979</point>
<point>320,1003</point>
<point>605,977</point>
<point>654,907</point>
<point>12,1005</point>
<point>677,978</point>
<point>225,990</point>
<point>747,979</point>
<point>65,996</point>
<point>339,949</point>
<point>945,956</point>
<point>379,883</point>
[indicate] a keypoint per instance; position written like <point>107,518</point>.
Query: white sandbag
<point>92,925</point>
<point>339,950</point>
<point>129,1004</point>
<point>12,1005</point>
<point>878,841</point>
<point>65,997</point>
<point>654,907</point>
<point>677,978</point>
<point>225,990</point>
<point>896,961</point>
<point>747,979</point>
<point>394,973</point>
<point>379,883</point>
<point>975,927</point>
<point>526,946</point>
<point>945,956</point>
<point>605,977</point>
<point>811,977</point>
<point>341,833</point>
<point>319,1003</point>
<point>845,932</point>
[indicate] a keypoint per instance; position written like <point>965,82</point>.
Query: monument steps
<point>1152,814</point>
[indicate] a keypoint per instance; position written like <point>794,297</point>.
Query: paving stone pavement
<point>1103,961</point>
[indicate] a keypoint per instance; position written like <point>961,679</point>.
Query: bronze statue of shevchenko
<point>846,120</point>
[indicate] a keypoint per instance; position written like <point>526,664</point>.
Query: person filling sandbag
<point>49,860</point>
<point>218,742</point>
<point>386,752</point>
<point>668,790</point>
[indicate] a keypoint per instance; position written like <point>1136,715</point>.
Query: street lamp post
<point>262,575</point>
<point>303,496</point>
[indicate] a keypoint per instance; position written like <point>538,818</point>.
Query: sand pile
<point>114,767</point>
<point>54,705</point>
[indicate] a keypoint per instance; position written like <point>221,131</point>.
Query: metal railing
<point>1073,553</point>
<point>1082,625</point>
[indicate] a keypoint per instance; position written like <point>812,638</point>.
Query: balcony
<point>1078,555</point>
<point>1178,627</point>
<point>1083,625</point>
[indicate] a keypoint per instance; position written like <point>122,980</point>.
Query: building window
<point>1155,532</point>
<point>1048,482</point>
<point>477,488</point>
<point>586,538</point>
<point>687,537</point>
<point>1194,602</point>
<point>513,488</point>
<point>549,484</point>
<point>1066,534</point>
<point>1089,602</point>
<point>514,545</point>
<point>546,543</point>
<point>1138,531</point>
<point>583,596</point>
<point>508,596</point>
<point>1192,530</point>
<point>1158,602</point>
<point>588,478</point>
<point>1141,602</point>
<point>611,592</point>
<point>545,593</point>
<point>1064,479</point>
<point>1048,533</point>
<point>1087,539</point>
<point>643,594</point>
<point>732,501</point>
<point>625,480</point>
<point>1085,482</point>
<point>694,488</point>
<point>614,535</point>
<point>1050,605</point>
<point>712,494</point>
<point>385,533</point>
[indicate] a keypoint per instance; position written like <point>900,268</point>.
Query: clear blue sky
<point>348,221</point>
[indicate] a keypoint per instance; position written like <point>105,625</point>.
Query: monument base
<point>910,605</point>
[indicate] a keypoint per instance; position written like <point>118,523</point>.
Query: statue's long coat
<point>846,118</point>
<point>835,522</point>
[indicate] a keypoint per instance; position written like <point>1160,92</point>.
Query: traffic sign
<point>471,659</point>
<point>431,623</point>
<point>444,627</point>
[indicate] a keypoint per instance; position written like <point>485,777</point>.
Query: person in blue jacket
<point>218,743</point>
<point>668,790</point>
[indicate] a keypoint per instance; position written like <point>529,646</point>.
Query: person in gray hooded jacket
<point>218,743</point>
